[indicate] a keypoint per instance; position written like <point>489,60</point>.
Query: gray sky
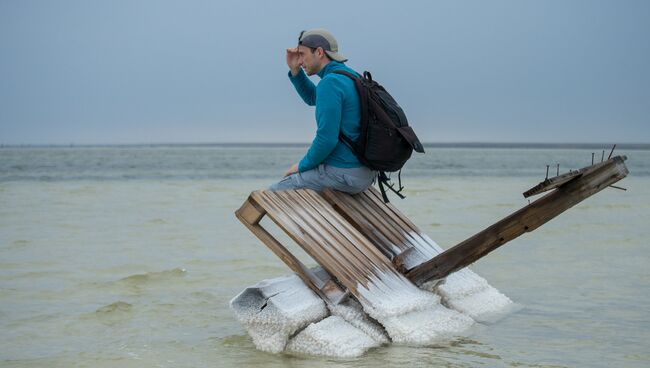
<point>89,72</point>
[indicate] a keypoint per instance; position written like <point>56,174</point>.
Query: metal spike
<point>558,170</point>
<point>592,158</point>
<point>610,153</point>
<point>602,158</point>
<point>547,171</point>
<point>615,187</point>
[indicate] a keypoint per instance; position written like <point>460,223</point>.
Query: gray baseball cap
<point>319,37</point>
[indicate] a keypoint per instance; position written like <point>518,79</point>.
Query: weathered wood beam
<point>592,179</point>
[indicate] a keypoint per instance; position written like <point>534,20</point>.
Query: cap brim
<point>336,56</point>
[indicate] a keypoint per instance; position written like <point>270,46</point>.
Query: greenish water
<point>127,257</point>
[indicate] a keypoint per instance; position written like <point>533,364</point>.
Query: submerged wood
<point>567,194</point>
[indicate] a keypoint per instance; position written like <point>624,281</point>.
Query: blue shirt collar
<point>332,65</point>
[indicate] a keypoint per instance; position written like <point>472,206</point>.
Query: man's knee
<point>288,182</point>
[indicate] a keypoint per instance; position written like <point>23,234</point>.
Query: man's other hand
<point>293,60</point>
<point>292,170</point>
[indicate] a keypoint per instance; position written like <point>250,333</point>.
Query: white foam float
<point>470,294</point>
<point>352,312</point>
<point>410,315</point>
<point>274,309</point>
<point>334,337</point>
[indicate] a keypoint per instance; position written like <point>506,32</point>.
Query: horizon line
<point>459,144</point>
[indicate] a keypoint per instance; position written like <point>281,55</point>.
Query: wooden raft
<point>357,238</point>
<point>346,254</point>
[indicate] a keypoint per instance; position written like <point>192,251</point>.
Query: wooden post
<point>568,193</point>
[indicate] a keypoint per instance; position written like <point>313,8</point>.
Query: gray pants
<point>352,180</point>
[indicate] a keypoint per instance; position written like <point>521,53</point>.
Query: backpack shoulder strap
<point>364,102</point>
<point>347,74</point>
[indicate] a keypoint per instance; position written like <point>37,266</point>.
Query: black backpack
<point>386,141</point>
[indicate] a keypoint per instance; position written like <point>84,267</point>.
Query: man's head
<point>316,48</point>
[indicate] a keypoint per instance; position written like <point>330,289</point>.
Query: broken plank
<point>593,179</point>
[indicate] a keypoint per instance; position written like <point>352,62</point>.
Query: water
<point>128,256</point>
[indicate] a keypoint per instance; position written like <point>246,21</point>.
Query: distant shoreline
<point>482,145</point>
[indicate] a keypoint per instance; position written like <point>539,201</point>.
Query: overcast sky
<point>87,72</point>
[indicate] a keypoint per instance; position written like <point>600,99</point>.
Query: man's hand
<point>293,60</point>
<point>292,170</point>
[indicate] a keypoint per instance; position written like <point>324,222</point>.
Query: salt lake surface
<point>128,257</point>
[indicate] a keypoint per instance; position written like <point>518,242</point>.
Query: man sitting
<point>329,162</point>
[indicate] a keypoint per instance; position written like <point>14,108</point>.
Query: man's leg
<point>310,179</point>
<point>325,176</point>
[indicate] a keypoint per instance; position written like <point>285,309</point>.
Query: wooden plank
<point>350,232</point>
<point>328,252</point>
<point>379,218</point>
<point>360,222</point>
<point>402,222</point>
<point>527,219</point>
<point>404,253</point>
<point>294,227</point>
<point>371,216</point>
<point>321,284</point>
<point>355,251</point>
<point>250,212</point>
<point>343,206</point>
<point>385,223</point>
<point>410,257</point>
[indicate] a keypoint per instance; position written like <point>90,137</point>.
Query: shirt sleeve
<point>329,102</point>
<point>304,86</point>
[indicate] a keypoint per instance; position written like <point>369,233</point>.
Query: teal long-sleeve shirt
<point>337,109</point>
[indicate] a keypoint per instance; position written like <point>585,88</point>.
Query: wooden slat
<point>374,214</point>
<point>285,222</point>
<point>328,249</point>
<point>368,221</point>
<point>337,249</point>
<point>362,258</point>
<point>404,221</point>
<point>412,256</point>
<point>398,217</point>
<point>360,242</point>
<point>338,245</point>
<point>360,222</point>
<point>294,227</point>
<point>392,214</point>
<point>250,215</point>
<point>371,216</point>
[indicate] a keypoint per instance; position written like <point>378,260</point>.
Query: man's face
<point>309,60</point>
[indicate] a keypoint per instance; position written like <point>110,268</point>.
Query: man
<point>329,162</point>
